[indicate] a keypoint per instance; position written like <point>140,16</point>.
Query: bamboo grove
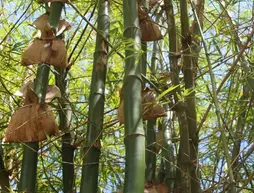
<point>126,96</point>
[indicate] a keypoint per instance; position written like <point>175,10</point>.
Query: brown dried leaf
<point>31,123</point>
<point>41,23</point>
<point>120,113</point>
<point>58,54</point>
<point>141,13</point>
<point>52,52</point>
<point>30,97</point>
<point>32,54</point>
<point>148,95</point>
<point>52,91</point>
<point>23,90</point>
<point>150,108</point>
<point>149,30</point>
<point>63,26</point>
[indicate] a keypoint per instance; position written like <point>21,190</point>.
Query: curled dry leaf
<point>63,26</point>
<point>23,89</point>
<point>32,122</point>
<point>141,13</point>
<point>52,52</point>
<point>42,24</point>
<point>32,54</point>
<point>59,54</point>
<point>150,108</point>
<point>52,91</point>
<point>149,30</point>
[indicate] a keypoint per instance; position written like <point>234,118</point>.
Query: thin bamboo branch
<point>230,71</point>
<point>218,112</point>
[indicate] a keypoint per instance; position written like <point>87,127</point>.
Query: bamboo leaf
<point>164,93</point>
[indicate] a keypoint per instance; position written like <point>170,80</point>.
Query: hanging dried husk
<point>149,29</point>
<point>31,123</point>
<point>42,24</point>
<point>150,108</point>
<point>52,91</point>
<point>52,52</point>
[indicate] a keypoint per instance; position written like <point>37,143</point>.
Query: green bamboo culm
<point>150,151</point>
<point>65,114</point>
<point>30,155</point>
<point>182,176</point>
<point>134,131</point>
<point>55,14</point>
<point>90,169</point>
<point>168,149</point>
<point>144,60</point>
<point>151,125</point>
<point>4,175</point>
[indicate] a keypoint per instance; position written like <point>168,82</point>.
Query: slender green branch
<point>217,107</point>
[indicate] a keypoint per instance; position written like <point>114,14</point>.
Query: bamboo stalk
<point>4,176</point>
<point>183,181</point>
<point>90,169</point>
<point>134,131</point>
<point>30,156</point>
<point>65,114</point>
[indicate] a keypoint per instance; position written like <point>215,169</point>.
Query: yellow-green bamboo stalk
<point>30,156</point>
<point>134,131</point>
<point>90,169</point>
